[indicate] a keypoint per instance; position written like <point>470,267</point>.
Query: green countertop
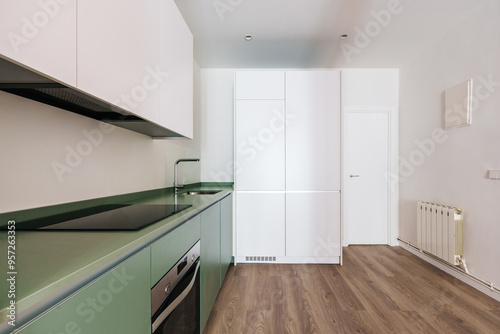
<point>52,265</point>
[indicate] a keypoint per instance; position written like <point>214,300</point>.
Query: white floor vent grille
<point>260,258</point>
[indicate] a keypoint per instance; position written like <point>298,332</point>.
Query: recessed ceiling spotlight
<point>248,37</point>
<point>344,36</point>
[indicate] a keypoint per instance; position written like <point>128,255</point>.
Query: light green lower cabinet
<point>226,235</point>
<point>210,260</point>
<point>118,302</point>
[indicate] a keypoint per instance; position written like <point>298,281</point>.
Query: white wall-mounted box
<point>494,174</point>
<point>458,105</point>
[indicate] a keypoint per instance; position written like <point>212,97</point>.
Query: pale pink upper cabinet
<point>176,49</point>
<point>40,35</point>
<point>118,54</point>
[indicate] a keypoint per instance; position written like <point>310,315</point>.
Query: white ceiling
<point>305,33</point>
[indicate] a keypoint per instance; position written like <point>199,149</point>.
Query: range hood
<point>17,80</point>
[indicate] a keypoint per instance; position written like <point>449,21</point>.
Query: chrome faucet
<point>176,182</point>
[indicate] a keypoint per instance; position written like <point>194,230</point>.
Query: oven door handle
<point>176,302</point>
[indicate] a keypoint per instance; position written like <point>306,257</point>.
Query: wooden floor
<point>379,289</point>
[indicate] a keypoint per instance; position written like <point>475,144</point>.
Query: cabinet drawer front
<point>169,249</point>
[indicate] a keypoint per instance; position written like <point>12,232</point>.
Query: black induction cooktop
<point>111,217</point>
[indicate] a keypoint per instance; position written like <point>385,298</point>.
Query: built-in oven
<point>175,299</point>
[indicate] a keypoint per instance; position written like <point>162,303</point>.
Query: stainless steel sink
<point>201,192</point>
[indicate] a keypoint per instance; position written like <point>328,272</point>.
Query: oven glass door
<point>181,311</point>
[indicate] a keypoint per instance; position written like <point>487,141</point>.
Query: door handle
<point>354,175</point>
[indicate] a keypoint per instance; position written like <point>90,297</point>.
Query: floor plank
<point>379,289</point>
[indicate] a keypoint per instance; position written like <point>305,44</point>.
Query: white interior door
<point>366,182</point>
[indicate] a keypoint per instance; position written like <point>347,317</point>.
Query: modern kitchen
<point>264,166</point>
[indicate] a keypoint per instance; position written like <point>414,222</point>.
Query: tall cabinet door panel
<point>313,130</point>
<point>41,35</point>
<point>260,85</point>
<point>260,145</point>
<point>261,224</point>
<point>313,225</point>
<point>118,53</point>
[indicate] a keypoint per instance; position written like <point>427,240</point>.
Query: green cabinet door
<point>116,303</point>
<point>226,235</point>
<point>210,260</point>
<point>166,251</point>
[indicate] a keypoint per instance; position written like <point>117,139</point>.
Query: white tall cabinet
<point>287,152</point>
<point>313,166</point>
<point>260,160</point>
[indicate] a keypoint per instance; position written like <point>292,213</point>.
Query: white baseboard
<point>293,260</point>
<point>457,274</point>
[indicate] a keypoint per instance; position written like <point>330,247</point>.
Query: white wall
<point>453,171</point>
<point>34,137</point>
<point>370,87</point>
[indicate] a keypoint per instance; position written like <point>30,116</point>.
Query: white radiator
<point>440,231</point>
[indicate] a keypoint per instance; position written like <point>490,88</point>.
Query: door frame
<point>392,173</point>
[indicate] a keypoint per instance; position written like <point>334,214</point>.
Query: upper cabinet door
<point>176,50</point>
<point>260,85</point>
<point>41,35</point>
<point>118,54</point>
<point>313,130</point>
<point>260,145</point>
